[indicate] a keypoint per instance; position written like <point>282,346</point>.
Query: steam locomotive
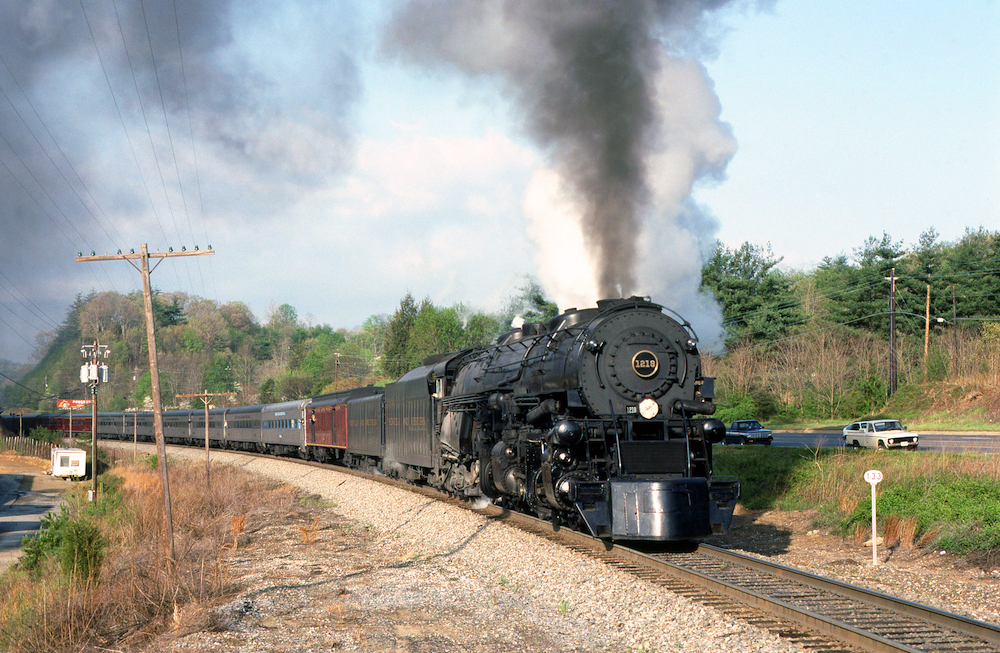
<point>598,419</point>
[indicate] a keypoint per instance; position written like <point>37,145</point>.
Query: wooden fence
<point>28,447</point>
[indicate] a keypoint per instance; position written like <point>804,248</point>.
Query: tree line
<point>815,345</point>
<point>203,345</point>
<point>804,345</point>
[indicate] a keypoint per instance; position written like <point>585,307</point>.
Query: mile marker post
<point>874,477</point>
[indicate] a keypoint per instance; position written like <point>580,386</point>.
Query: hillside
<point>797,348</point>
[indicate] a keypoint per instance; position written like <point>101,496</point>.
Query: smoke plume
<point>614,94</point>
<point>161,121</point>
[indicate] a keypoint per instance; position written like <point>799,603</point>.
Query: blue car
<point>747,431</point>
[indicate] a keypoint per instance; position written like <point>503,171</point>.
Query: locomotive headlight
<point>648,408</point>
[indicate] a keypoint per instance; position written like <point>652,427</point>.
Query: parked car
<point>879,434</point>
<point>747,431</point>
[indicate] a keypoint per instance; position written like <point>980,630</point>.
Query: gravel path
<point>392,570</point>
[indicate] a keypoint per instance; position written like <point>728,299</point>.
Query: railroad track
<point>820,613</point>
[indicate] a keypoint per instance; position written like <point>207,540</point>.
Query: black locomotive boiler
<point>598,419</point>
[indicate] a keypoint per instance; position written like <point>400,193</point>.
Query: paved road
<point>942,442</point>
<point>24,498</point>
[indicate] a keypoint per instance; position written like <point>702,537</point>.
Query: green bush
<point>81,552</point>
<point>35,548</point>
<point>43,434</point>
<point>756,404</point>
<point>953,498</point>
<point>74,541</point>
<point>962,510</point>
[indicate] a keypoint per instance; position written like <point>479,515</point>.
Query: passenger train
<point>598,419</point>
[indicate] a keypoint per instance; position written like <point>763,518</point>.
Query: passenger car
<point>747,431</point>
<point>879,434</point>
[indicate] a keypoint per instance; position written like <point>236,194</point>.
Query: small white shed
<point>69,462</point>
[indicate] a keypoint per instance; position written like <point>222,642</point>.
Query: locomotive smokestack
<point>602,91</point>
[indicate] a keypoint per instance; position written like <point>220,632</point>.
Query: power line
<point>170,139</point>
<point>33,308</point>
<point>61,152</point>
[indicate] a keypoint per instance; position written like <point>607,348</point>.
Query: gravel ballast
<point>393,570</point>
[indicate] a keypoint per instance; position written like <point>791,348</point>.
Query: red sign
<point>73,403</point>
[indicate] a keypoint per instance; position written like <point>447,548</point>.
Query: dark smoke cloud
<point>127,36</point>
<point>583,73</point>
<point>124,122</point>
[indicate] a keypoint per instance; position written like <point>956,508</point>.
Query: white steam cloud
<point>627,117</point>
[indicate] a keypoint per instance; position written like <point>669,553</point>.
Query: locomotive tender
<point>598,419</point>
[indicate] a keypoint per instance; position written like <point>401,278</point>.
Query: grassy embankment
<point>958,407</point>
<point>948,501</point>
<point>95,578</point>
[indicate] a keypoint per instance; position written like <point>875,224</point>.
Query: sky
<point>337,155</point>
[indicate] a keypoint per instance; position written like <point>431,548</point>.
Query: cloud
<point>614,96</point>
<point>160,122</point>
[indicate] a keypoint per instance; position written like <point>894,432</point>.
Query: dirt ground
<point>26,502</point>
<point>14,463</point>
<point>967,586</point>
<point>971,588</point>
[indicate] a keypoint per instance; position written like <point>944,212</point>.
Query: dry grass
<point>238,527</point>
<point>860,535</point>
<point>308,533</point>
<point>904,523</point>
<point>136,596</point>
<point>900,532</point>
<point>846,504</point>
<point>841,481</point>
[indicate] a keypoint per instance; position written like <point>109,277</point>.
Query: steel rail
<point>987,635</point>
<point>971,627</point>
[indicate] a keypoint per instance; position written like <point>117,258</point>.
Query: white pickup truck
<point>879,434</point>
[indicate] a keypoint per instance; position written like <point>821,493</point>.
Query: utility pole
<point>954,331</point>
<point>161,447</point>
<point>204,395</point>
<point>94,373</point>
<point>927,330</point>
<point>135,415</point>
<point>892,332</point>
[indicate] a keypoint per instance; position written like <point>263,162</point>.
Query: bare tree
<point>205,319</point>
<point>740,369</point>
<point>832,368</point>
<point>97,317</point>
<point>245,365</point>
